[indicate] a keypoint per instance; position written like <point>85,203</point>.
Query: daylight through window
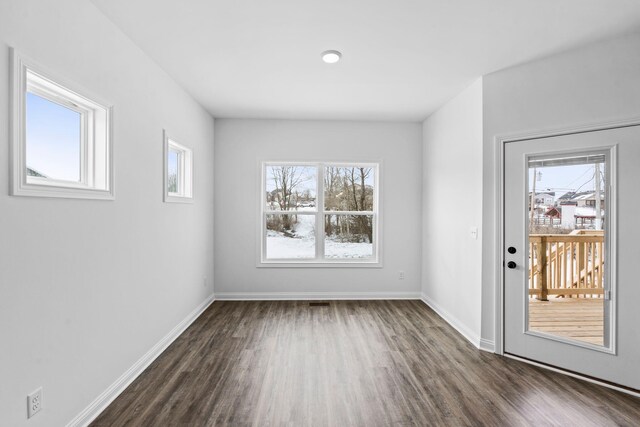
<point>320,213</point>
<point>178,175</point>
<point>61,138</point>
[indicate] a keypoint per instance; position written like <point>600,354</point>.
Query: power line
<point>592,178</point>
<point>579,178</point>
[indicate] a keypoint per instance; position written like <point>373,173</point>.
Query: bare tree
<point>172,183</point>
<point>286,180</point>
<point>331,183</point>
<point>354,182</point>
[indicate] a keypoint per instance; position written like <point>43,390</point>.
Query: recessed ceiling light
<point>331,56</point>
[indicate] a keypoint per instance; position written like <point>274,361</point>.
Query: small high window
<point>61,142</point>
<point>178,172</point>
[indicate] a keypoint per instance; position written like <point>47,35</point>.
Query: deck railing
<point>568,265</point>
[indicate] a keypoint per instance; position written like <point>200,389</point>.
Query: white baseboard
<point>280,296</point>
<point>487,345</point>
<point>94,409</point>
<point>471,336</point>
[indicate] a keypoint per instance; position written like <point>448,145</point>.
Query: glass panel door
<point>571,252</point>
<point>567,242</point>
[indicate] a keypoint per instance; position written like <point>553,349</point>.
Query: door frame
<point>499,145</point>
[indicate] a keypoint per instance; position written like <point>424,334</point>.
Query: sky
<point>307,176</point>
<point>53,139</point>
<point>172,167</point>
<point>563,179</point>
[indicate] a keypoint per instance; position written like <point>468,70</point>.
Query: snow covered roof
<point>571,195</point>
<point>586,212</point>
<point>588,196</point>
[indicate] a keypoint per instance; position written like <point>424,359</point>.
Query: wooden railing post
<point>542,268</point>
<point>566,265</point>
<point>581,253</point>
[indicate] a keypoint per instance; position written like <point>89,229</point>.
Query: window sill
<point>319,264</point>
<point>177,199</point>
<point>31,190</point>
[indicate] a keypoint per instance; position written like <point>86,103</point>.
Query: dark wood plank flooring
<point>352,363</point>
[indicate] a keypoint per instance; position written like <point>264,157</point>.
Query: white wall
<point>591,85</point>
<point>451,207</point>
<point>241,144</point>
<point>88,287</point>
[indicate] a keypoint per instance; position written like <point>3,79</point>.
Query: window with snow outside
<point>320,213</point>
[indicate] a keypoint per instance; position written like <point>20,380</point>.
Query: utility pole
<point>533,200</point>
<point>597,194</point>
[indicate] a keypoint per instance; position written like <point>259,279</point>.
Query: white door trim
<point>499,143</point>
<point>575,375</point>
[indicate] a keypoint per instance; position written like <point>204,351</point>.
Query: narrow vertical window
<point>178,172</point>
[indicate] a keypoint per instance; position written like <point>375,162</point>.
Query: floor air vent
<point>318,304</point>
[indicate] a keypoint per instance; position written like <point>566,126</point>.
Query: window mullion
<point>320,213</point>
<point>181,173</point>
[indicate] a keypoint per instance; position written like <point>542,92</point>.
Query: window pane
<point>567,215</point>
<point>172,171</point>
<point>348,236</point>
<point>52,140</point>
<point>291,236</point>
<point>290,188</point>
<point>348,188</point>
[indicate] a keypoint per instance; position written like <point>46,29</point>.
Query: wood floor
<point>352,363</point>
<point>577,318</point>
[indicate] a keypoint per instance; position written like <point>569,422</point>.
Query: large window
<point>61,142</point>
<point>320,213</point>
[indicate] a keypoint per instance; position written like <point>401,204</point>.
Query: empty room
<point>319,213</point>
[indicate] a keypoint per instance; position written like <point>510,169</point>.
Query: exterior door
<point>572,253</point>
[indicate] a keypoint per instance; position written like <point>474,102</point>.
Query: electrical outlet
<point>400,275</point>
<point>34,402</point>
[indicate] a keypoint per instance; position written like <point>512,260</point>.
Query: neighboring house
<point>543,201</point>
<point>569,196</point>
<point>589,199</point>
<point>554,212</point>
<point>274,197</point>
<point>574,216</point>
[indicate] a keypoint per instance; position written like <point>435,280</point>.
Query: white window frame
<point>185,172</point>
<point>96,144</point>
<point>320,261</point>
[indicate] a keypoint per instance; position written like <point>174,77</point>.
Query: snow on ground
<point>303,244</point>
<point>280,246</point>
<point>336,249</point>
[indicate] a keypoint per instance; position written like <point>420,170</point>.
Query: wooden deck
<point>577,318</point>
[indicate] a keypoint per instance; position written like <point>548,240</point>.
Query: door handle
<point>511,264</point>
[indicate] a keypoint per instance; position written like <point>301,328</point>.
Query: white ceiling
<point>402,59</point>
